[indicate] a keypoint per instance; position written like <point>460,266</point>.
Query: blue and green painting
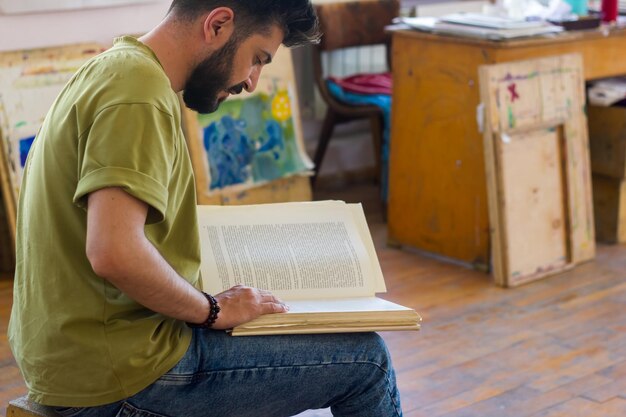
<point>25,144</point>
<point>251,140</point>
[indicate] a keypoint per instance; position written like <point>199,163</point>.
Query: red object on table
<point>609,11</point>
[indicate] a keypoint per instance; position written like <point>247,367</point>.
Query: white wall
<point>437,9</point>
<point>35,30</point>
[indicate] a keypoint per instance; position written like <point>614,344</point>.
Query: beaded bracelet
<point>214,310</point>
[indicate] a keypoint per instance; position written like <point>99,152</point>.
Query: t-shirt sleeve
<point>129,146</point>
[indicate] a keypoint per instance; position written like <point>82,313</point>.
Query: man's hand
<point>241,304</point>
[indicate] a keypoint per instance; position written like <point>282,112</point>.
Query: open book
<point>318,257</point>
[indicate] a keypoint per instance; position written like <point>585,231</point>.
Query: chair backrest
<point>355,23</point>
<point>347,28</point>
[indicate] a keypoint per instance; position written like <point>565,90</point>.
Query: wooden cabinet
<point>607,140</point>
<point>609,205</point>
<point>437,189</point>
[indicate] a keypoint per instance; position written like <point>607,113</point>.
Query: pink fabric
<point>365,83</point>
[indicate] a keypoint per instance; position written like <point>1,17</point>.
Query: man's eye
<point>257,61</point>
<point>236,89</point>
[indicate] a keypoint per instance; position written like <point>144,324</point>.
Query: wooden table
<point>437,189</point>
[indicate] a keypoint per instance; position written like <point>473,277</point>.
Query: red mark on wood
<point>513,91</point>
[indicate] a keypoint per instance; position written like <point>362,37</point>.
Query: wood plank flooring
<point>554,348</point>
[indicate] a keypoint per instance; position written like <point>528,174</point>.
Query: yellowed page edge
<point>366,237</point>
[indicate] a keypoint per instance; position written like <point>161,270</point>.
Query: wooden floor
<point>555,348</point>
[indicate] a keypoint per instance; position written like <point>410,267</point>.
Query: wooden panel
<point>537,161</point>
<point>607,140</point>
<point>534,218</point>
<point>609,204</point>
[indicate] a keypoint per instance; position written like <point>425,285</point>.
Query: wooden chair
<point>347,25</point>
<point>23,407</point>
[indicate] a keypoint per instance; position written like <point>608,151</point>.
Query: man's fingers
<point>272,307</point>
<point>241,303</point>
<point>266,298</point>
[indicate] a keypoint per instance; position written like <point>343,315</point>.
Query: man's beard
<point>210,78</point>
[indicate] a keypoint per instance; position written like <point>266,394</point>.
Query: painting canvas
<point>253,138</point>
<point>29,83</point>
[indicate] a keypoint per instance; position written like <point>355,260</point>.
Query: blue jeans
<point>268,376</point>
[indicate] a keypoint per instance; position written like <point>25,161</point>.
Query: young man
<point>107,317</point>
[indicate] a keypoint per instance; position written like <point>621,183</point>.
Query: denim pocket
<point>128,410</point>
<point>175,379</point>
<point>68,411</point>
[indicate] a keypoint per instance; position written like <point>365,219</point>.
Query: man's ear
<point>219,25</point>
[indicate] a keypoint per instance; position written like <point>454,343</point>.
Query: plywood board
<point>245,151</point>
<point>537,166</point>
<point>30,80</point>
<point>534,201</point>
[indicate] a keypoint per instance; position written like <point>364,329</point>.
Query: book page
<point>344,305</point>
<point>296,250</point>
<point>366,237</point>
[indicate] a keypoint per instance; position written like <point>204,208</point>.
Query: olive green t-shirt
<point>77,339</point>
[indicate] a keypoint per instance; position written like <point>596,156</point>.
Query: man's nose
<point>253,80</point>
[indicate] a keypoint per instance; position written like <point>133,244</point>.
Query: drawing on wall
<point>253,138</point>
<point>29,83</point>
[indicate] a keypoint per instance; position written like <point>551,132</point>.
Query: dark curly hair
<point>296,18</point>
